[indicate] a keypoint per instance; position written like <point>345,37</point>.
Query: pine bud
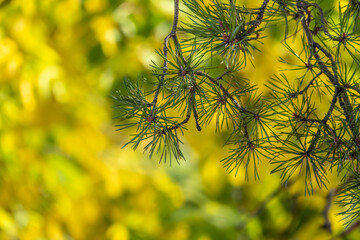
<point>225,38</point>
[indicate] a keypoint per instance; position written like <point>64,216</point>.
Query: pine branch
<point>333,77</point>
<point>309,84</point>
<point>176,126</point>
<point>329,199</point>
<point>196,119</point>
<point>172,34</point>
<point>258,19</point>
<point>222,35</point>
<point>322,17</point>
<point>226,92</point>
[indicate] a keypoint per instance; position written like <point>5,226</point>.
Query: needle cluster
<point>284,124</point>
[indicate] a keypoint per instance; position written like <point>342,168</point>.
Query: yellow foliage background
<point>63,172</point>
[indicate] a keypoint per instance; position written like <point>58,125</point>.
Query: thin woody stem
<point>339,93</point>
<point>232,99</point>
<point>329,199</point>
<point>258,19</point>
<point>222,75</point>
<point>196,119</point>
<point>310,83</point>
<point>174,127</point>
<point>223,89</point>
<point>322,17</point>
<point>324,121</point>
<point>172,34</point>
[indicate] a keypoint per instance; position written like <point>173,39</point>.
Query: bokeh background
<point>63,171</point>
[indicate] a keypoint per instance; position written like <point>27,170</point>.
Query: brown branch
<point>310,83</point>
<point>331,108</point>
<point>232,99</point>
<point>258,19</point>
<point>345,101</point>
<point>324,121</point>
<point>174,127</point>
<point>333,77</point>
<point>313,45</point>
<point>329,198</point>
<point>172,34</point>
<point>343,96</point>
<point>196,119</point>
<point>226,92</point>
<point>222,75</point>
<point>322,17</point>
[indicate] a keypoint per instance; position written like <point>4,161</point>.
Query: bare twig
<point>196,119</point>
<point>322,17</point>
<point>324,120</point>
<point>310,83</point>
<point>172,34</point>
<point>334,78</point>
<point>174,127</point>
<point>329,198</point>
<point>258,19</point>
<point>222,75</point>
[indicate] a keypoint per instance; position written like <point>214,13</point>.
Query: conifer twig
<point>322,17</point>
<point>329,198</point>
<point>172,34</point>
<point>258,19</point>
<point>226,92</point>
<point>174,127</point>
<point>226,31</point>
<point>333,77</point>
<point>310,83</point>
